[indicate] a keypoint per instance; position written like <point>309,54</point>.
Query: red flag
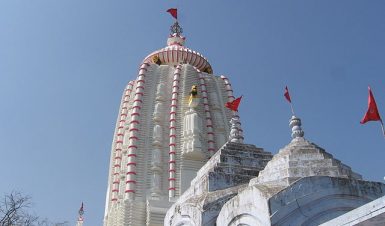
<point>233,105</point>
<point>173,12</point>
<point>372,113</point>
<point>287,94</point>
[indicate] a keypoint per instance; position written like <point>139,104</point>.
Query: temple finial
<point>80,217</point>
<point>295,125</point>
<point>176,29</point>
<point>236,135</point>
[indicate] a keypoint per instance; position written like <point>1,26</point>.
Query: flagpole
<point>382,127</point>
<point>287,96</point>
<point>292,109</point>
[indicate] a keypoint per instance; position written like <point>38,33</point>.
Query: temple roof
<point>301,158</point>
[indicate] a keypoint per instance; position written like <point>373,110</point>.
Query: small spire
<point>80,218</point>
<point>295,125</point>
<point>236,134</point>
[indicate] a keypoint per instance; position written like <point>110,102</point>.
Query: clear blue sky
<point>64,65</point>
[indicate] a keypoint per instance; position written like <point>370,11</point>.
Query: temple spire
<point>236,132</point>
<point>80,217</point>
<point>236,135</point>
<point>295,125</point>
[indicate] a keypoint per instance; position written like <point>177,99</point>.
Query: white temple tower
<point>162,135</point>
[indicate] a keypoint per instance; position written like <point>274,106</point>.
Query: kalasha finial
<point>295,125</point>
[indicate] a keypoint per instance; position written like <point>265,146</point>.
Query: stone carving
<point>192,129</point>
<point>156,173</point>
<point>157,135</point>
<point>235,130</point>
<point>160,91</point>
<point>155,161</point>
<point>157,116</point>
<point>295,125</point>
<point>156,182</point>
<point>155,188</point>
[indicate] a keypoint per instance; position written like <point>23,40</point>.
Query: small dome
<point>176,53</point>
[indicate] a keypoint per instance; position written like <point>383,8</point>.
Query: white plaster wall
<point>249,207</point>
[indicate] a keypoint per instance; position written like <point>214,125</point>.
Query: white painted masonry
<point>160,142</point>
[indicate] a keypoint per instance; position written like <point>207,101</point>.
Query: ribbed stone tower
<point>165,132</point>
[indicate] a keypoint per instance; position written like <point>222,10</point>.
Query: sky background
<point>64,65</point>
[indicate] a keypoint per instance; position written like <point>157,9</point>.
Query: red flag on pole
<point>372,113</point>
<point>287,94</point>
<point>233,105</point>
<point>173,12</point>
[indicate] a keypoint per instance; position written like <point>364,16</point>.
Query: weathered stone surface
<point>314,200</point>
<point>299,159</point>
<point>228,170</point>
<point>301,185</point>
<point>370,214</point>
<point>308,201</point>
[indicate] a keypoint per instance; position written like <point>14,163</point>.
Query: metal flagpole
<point>382,127</point>
<point>292,110</point>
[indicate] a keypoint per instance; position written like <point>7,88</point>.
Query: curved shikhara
<point>160,141</point>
